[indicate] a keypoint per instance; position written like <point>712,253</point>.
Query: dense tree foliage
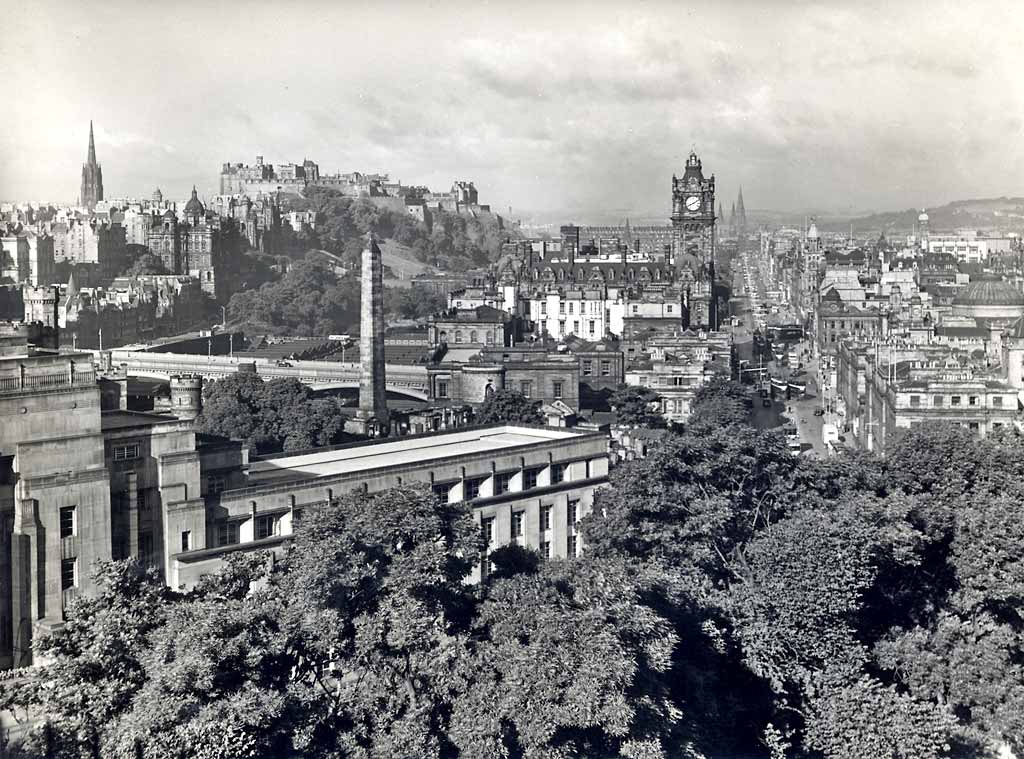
<point>509,407</point>
<point>280,414</point>
<point>145,264</point>
<point>876,601</point>
<point>636,407</point>
<point>412,303</point>
<point>720,402</point>
<point>309,300</point>
<point>365,641</point>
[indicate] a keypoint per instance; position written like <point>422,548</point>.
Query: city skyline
<point>841,106</point>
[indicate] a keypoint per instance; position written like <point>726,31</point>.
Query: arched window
<point>472,336</point>
<point>458,335</point>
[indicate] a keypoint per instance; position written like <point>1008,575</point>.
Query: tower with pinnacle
<point>693,243</point>
<point>92,177</point>
<point>741,214</point>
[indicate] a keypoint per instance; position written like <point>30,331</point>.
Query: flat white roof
<point>400,451</point>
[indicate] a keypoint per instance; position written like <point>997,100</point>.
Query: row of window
<point>591,327</point>
<point>441,388</point>
<point>957,400</point>
<point>588,368</point>
<point>266,526</point>
<point>518,520</point>
<point>502,481</point>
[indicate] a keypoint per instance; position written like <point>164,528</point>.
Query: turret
<point>186,395</point>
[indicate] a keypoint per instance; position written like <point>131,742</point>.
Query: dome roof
<point>169,214</point>
<point>989,292</point>
<point>923,216</point>
<point>194,205</point>
<point>812,233</point>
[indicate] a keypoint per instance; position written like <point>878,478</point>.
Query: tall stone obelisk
<point>372,417</point>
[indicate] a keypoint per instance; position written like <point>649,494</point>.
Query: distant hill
<point>990,214</point>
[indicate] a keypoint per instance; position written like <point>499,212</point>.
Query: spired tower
<point>693,243</point>
<point>741,215</point>
<point>92,177</point>
<point>372,417</point>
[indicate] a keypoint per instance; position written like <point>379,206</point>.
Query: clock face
<point>693,203</point>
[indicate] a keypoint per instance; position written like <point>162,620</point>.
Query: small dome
<point>194,207</point>
<point>923,216</point>
<point>169,214</point>
<point>989,292</point>
<point>812,233</point>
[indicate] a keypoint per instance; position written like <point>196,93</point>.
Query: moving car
<point>819,411</point>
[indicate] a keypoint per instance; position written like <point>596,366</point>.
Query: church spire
<point>91,158</point>
<point>92,176</point>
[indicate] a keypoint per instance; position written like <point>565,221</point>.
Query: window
<point>215,484</point>
<point>458,335</point>
<point>501,482</point>
<point>588,368</point>
<point>146,547</point>
<point>955,400</point>
<point>545,549</point>
<point>471,488</point>
<point>472,336</point>
<point>570,307</point>
<point>227,534</point>
<point>530,478</point>
<point>575,326</point>
<point>561,326</point>
<point>997,400</point>
<point>557,473</point>
<point>573,512</point>
<point>441,491</point>
<point>545,517</point>
<point>571,547</point>
<point>442,389</point>
<point>937,400</point>
<point>186,540</point>
<point>557,389</point>
<point>525,388</point>
<point>543,308</point>
<point>266,527</point>
<point>490,337</point>
<point>606,368</point>
<point>67,521</point>
<point>591,328</point>
<point>973,400</point>
<point>974,426</point>
<point>668,309</point>
<point>915,400</point>
<point>68,571</point>
<point>636,309</point>
<point>517,524</point>
<point>487,530</point>
<point>126,452</point>
<point>561,307</point>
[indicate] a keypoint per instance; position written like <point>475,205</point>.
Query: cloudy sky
<point>561,107</point>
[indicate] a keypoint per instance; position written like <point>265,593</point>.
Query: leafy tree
<point>146,264</point>
<point>633,406</point>
<point>720,402</point>
<point>508,407</point>
<point>308,300</point>
<point>281,414</point>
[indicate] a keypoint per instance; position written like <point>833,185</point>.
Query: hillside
<point>990,214</point>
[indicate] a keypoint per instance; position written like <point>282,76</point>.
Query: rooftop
<point>410,450</point>
<point>122,420</point>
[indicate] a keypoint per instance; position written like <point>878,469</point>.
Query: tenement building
<point>527,486</point>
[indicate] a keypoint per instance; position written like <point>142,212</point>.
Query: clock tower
<point>693,243</point>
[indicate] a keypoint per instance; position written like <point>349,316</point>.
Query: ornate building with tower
<point>693,242</point>
<point>197,245</point>
<point>92,177</point>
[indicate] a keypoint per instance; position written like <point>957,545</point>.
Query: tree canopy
<point>635,406</point>
<point>720,402</point>
<point>508,407</point>
<point>270,416</point>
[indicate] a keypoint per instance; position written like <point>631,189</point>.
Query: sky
<point>570,108</point>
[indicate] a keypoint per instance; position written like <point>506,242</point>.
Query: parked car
<point>284,363</point>
<point>819,411</point>
<point>766,403</point>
